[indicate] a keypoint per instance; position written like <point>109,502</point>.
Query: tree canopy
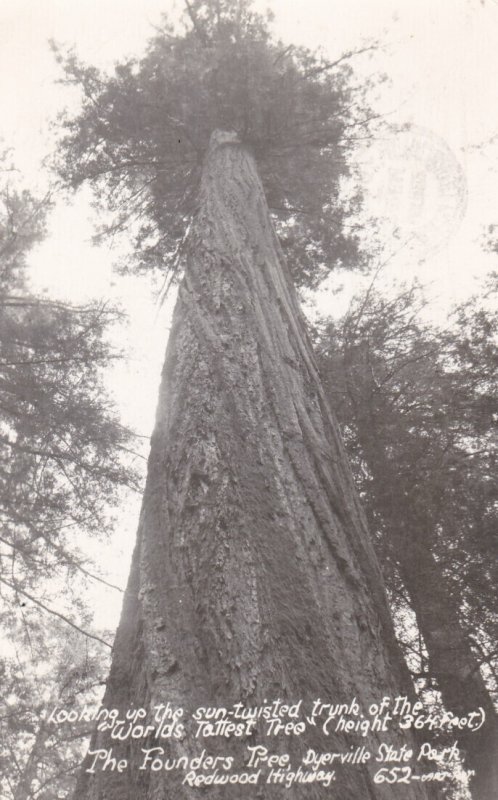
<point>418,407</point>
<point>142,132</point>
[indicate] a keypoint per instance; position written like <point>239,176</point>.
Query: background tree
<point>39,758</point>
<point>61,444</point>
<point>418,407</point>
<point>64,461</point>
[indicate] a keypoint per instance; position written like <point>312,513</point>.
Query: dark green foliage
<point>142,133</point>
<point>39,758</point>
<point>22,225</point>
<point>419,408</point>
<point>61,444</point>
<point>58,436</point>
<point>64,459</point>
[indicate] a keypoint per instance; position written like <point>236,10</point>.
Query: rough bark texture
<point>253,577</point>
<point>452,661</point>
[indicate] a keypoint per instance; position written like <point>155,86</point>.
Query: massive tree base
<point>253,577</point>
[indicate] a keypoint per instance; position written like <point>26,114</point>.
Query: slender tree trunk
<point>452,661</point>
<point>23,789</point>
<point>253,577</point>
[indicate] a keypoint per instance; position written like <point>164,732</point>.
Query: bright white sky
<point>441,58</point>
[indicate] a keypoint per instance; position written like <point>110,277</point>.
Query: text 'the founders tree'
<point>253,578</point>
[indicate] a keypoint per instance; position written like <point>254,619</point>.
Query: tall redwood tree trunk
<point>253,577</point>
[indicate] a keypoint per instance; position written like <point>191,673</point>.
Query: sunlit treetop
<point>141,134</point>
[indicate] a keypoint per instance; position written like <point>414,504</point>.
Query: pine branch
<point>52,611</point>
<point>331,64</point>
<point>197,26</point>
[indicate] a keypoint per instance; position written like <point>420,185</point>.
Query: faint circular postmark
<point>417,184</point>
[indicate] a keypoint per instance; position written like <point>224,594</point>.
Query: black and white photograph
<point>248,400</point>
